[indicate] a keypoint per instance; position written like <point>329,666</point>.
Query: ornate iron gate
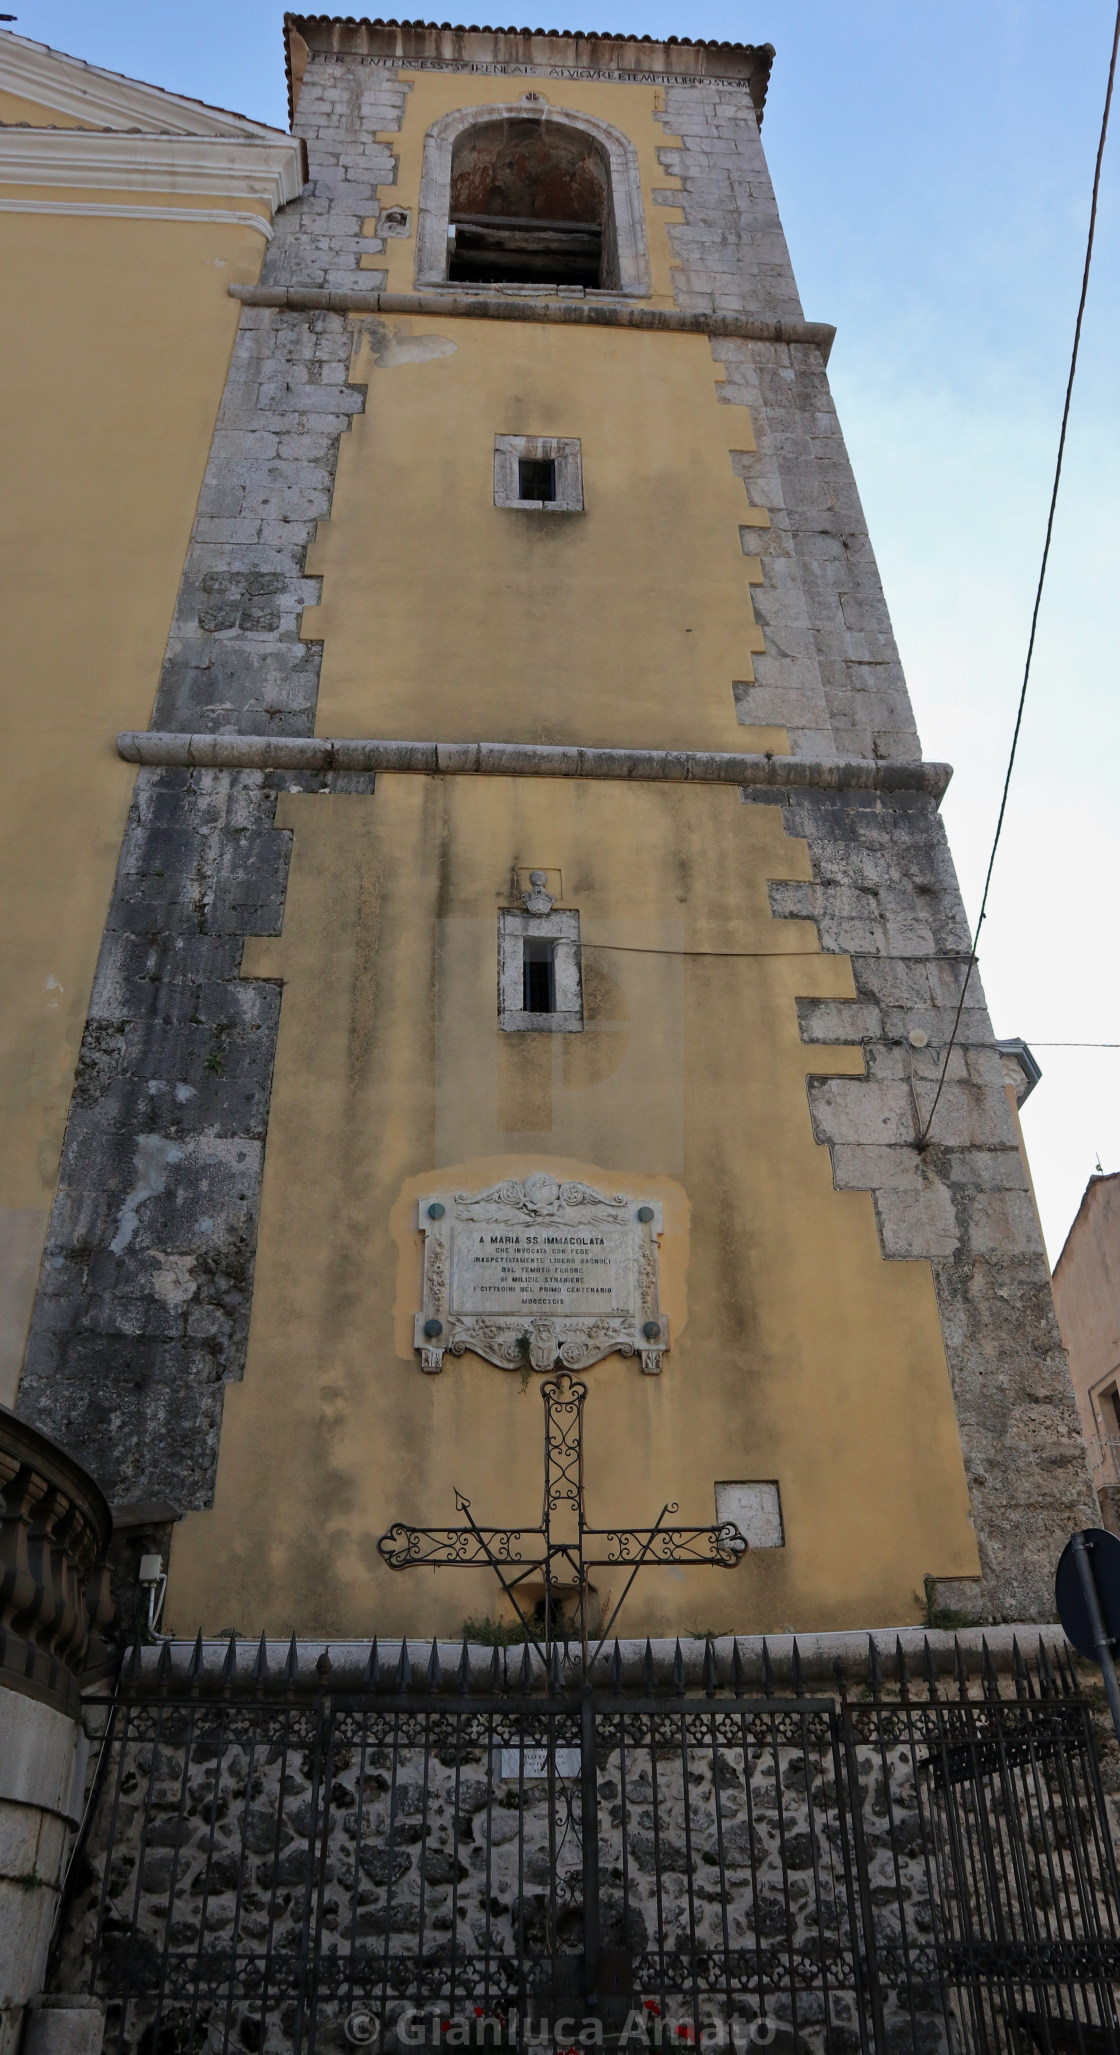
<point>428,1867</point>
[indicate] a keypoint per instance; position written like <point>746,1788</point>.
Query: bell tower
<point>535,941</point>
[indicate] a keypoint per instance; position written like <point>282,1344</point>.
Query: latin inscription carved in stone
<point>396,64</point>
<point>539,1275</point>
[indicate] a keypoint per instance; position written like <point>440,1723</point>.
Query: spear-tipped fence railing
<point>417,1840</point>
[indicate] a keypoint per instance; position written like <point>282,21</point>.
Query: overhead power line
<point>924,1135</point>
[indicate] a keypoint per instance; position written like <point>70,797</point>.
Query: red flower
<point>478,2012</point>
<point>653,2006</point>
<point>684,2033</point>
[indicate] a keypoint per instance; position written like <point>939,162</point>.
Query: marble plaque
<point>540,1275</point>
<point>511,1764</point>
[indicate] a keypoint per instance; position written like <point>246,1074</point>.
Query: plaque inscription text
<point>537,1274</point>
<point>567,1270</point>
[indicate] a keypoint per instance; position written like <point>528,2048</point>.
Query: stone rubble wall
<point>449,1855</point>
<point>720,1826</point>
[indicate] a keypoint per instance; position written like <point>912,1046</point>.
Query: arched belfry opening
<point>530,204</point>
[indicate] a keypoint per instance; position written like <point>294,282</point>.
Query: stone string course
<point>142,1312</point>
<point>332,755</point>
<point>527,303</point>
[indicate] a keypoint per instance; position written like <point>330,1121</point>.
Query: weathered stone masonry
<point>142,1312</point>
<point>885,893</point>
<point>143,1306</point>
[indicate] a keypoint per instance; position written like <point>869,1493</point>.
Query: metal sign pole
<point>1102,1640</point>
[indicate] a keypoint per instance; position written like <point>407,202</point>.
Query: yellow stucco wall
<point>798,1354</point>
<point>445,617</point>
<point>115,337</point>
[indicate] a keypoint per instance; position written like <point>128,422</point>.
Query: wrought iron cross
<point>564,1548</point>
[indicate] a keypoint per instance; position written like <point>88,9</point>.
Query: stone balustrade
<point>54,1533</point>
<point>55,1528</point>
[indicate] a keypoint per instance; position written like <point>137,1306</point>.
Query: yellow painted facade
<point>115,340</point>
<point>798,1354</point>
<point>446,618</point>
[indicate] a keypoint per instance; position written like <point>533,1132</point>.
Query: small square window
<point>540,989</point>
<point>536,478</point>
<point>541,473</point>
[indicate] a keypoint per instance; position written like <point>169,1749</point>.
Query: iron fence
<point>432,1867</point>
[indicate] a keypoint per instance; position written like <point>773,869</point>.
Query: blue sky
<point>933,167</point>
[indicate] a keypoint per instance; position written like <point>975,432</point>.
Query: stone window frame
<point>561,450</point>
<point>630,247</point>
<point>515,927</point>
<point>1106,1393</point>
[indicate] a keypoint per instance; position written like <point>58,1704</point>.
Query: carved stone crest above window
<point>539,1274</point>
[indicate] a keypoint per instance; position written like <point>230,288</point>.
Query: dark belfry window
<point>536,478</point>
<point>540,977</point>
<point>530,205</point>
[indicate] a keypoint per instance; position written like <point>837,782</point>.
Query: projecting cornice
<point>326,753</point>
<point>557,53</point>
<point>103,99</point>
<point>262,168</point>
<point>134,138</point>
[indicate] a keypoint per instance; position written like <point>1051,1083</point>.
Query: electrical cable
<point>747,955</point>
<point>780,955</point>
<point>751,955</point>
<point>924,1135</point>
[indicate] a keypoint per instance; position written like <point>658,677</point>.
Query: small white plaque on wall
<point>539,1274</point>
<point>756,1510</point>
<point>511,1764</point>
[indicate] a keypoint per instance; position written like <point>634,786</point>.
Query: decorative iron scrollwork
<point>564,1548</point>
